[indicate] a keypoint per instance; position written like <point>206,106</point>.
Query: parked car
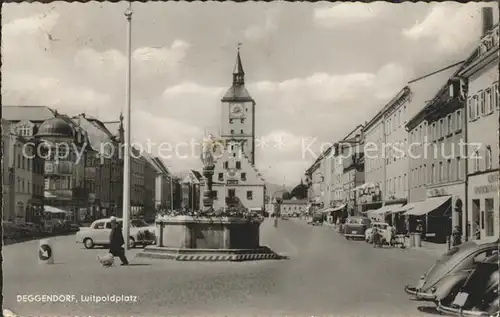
<point>456,264</point>
<point>317,219</point>
<point>98,233</point>
<point>355,227</point>
<point>476,296</point>
<point>383,228</point>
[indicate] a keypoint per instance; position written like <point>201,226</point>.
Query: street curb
<point>210,257</point>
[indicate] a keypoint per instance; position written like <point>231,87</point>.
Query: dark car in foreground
<point>355,227</point>
<point>454,265</point>
<point>476,296</point>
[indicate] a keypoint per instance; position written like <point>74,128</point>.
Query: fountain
<point>208,235</point>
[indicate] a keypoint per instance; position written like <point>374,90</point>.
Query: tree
<point>286,196</point>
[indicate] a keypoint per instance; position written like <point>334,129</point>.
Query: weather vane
<point>238,45</point>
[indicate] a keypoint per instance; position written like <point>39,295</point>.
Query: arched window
<point>488,161</point>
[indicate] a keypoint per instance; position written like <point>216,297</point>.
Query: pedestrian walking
<point>117,241</point>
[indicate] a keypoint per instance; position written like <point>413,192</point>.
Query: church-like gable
<point>235,175</point>
<point>236,170</point>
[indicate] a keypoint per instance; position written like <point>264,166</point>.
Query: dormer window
<point>232,131</point>
<point>230,120</point>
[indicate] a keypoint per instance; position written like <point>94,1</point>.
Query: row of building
<point>430,154</point>
<point>74,165</point>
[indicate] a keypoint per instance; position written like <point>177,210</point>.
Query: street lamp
<point>126,161</point>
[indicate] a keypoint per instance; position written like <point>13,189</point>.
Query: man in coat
<point>116,241</point>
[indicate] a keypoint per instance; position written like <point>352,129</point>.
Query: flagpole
<point>126,161</point>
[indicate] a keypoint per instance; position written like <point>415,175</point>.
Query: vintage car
<point>383,228</point>
<point>317,218</point>
<point>98,233</point>
<point>355,227</point>
<point>476,296</point>
<point>455,264</point>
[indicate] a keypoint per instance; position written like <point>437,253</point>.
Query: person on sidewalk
<point>117,241</point>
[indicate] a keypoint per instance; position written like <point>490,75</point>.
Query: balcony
<point>58,168</point>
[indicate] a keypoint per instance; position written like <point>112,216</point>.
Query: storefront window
<point>489,206</point>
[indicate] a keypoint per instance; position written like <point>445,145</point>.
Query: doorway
<point>476,206</point>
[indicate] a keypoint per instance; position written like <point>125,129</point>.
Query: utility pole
<point>126,161</point>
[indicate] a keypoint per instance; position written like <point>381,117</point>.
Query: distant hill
<point>272,188</point>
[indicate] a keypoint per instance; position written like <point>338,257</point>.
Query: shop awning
<point>53,209</point>
<point>338,207</point>
<point>363,186</point>
<point>325,210</point>
<point>402,208</point>
<point>426,206</point>
<point>384,210</point>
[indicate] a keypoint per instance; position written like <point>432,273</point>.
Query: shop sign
<point>437,192</point>
<point>492,187</point>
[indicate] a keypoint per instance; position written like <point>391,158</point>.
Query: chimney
<point>487,17</point>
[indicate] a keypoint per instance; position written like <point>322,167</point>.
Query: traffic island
<point>187,238</point>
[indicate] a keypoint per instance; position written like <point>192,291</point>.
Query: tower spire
<point>238,72</point>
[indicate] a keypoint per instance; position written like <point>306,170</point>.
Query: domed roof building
<point>300,191</point>
<point>55,127</point>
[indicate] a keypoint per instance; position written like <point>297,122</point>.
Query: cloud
<point>454,26</point>
<point>151,60</point>
<point>347,13</point>
<point>172,140</point>
<point>258,31</point>
<point>305,84</point>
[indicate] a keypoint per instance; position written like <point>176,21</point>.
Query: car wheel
<point>88,243</point>
<point>131,242</point>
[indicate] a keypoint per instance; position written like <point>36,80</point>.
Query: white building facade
<point>235,174</point>
<point>482,112</point>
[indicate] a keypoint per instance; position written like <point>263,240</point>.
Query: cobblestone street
<point>325,275</point>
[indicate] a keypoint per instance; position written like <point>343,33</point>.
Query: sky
<point>315,70</point>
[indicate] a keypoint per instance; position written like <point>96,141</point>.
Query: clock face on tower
<point>236,110</point>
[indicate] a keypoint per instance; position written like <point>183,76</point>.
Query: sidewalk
<point>435,248</point>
